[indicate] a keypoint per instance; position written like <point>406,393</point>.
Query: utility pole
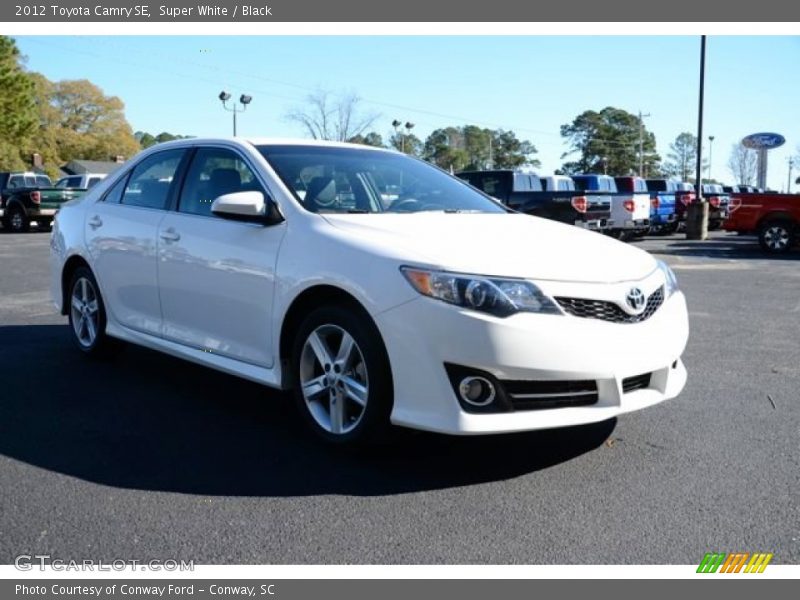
<point>641,142</point>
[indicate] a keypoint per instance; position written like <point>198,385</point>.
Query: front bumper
<point>423,335</point>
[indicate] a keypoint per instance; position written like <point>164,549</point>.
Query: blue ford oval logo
<point>765,140</point>
<point>636,299</point>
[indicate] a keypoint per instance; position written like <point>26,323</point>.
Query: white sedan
<point>379,288</point>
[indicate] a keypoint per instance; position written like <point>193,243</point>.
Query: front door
<point>217,276</point>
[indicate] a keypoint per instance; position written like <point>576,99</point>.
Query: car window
<point>92,181</point>
<point>151,179</point>
<point>114,195</point>
<point>16,181</point>
<point>354,180</point>
<point>43,181</point>
<point>215,172</point>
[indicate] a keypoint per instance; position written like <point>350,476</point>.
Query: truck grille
<point>534,395</point>
<point>610,311</point>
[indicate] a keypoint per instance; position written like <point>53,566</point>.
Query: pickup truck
<point>630,207</point>
<point>718,201</point>
<point>523,191</point>
<point>663,196</point>
<point>775,218</point>
<point>684,196</point>
<point>26,197</point>
<point>80,182</point>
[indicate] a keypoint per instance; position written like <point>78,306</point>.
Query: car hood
<point>503,245</point>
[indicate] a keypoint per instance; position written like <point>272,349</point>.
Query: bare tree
<point>743,164</point>
<point>328,116</point>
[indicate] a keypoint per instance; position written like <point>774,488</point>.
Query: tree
<point>443,148</point>
<point>743,163</point>
<point>78,121</point>
<point>370,139</point>
<point>472,147</point>
<point>406,142</point>
<point>17,106</point>
<point>330,117</point>
<point>682,157</point>
<point>608,141</point>
<point>146,139</point>
<point>509,152</point>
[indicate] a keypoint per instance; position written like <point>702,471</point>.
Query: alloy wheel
<point>333,379</point>
<point>85,312</point>
<point>776,237</point>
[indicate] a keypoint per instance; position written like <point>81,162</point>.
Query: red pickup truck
<point>774,217</point>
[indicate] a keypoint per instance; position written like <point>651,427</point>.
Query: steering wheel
<point>404,205</point>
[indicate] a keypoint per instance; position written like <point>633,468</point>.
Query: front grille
<point>535,395</point>
<point>637,382</point>
<point>610,311</point>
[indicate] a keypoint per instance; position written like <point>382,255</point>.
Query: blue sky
<point>532,84</point>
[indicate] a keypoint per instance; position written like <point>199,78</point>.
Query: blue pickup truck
<point>663,195</point>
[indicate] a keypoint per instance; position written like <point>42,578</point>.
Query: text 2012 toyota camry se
<point>379,288</point>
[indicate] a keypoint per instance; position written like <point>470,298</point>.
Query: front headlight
<point>499,297</point>
<point>671,285</point>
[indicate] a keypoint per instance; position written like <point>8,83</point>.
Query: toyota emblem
<point>636,299</point>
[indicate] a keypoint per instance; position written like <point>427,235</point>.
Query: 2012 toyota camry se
<point>377,287</point>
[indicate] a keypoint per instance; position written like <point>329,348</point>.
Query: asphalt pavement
<point>149,457</point>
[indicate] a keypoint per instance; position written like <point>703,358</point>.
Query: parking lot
<point>149,457</point>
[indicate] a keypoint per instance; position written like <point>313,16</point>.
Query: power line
<point>249,75</point>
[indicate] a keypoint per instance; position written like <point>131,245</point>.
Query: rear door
<point>121,235</point>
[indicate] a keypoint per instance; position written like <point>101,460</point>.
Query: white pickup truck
<point>80,182</point>
<point>631,207</point>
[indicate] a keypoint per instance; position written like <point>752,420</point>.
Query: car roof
<point>267,141</point>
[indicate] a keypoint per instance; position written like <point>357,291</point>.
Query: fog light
<point>476,391</point>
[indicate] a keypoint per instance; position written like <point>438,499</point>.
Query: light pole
<point>408,127</point>
<point>697,211</point>
<point>244,100</point>
<point>710,148</point>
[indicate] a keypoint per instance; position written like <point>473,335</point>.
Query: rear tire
<point>341,377</point>
<point>16,221</point>
<point>87,315</point>
<point>776,236</point>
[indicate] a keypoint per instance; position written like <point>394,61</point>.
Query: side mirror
<point>250,207</point>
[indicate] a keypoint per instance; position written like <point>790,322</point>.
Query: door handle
<point>170,235</point>
<point>95,222</point>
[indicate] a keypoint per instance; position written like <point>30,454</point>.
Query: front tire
<point>341,376</point>
<point>776,237</point>
<point>87,314</point>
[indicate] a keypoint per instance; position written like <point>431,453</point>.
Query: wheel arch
<point>301,305</point>
<point>70,266</point>
<point>777,215</point>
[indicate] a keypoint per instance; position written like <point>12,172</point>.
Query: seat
<point>320,194</point>
<point>224,181</point>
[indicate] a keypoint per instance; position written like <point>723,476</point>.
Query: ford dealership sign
<point>766,141</point>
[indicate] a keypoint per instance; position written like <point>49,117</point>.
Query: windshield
<point>352,180</point>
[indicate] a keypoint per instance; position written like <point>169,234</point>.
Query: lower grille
<point>638,382</point>
<point>609,311</point>
<point>536,395</point>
